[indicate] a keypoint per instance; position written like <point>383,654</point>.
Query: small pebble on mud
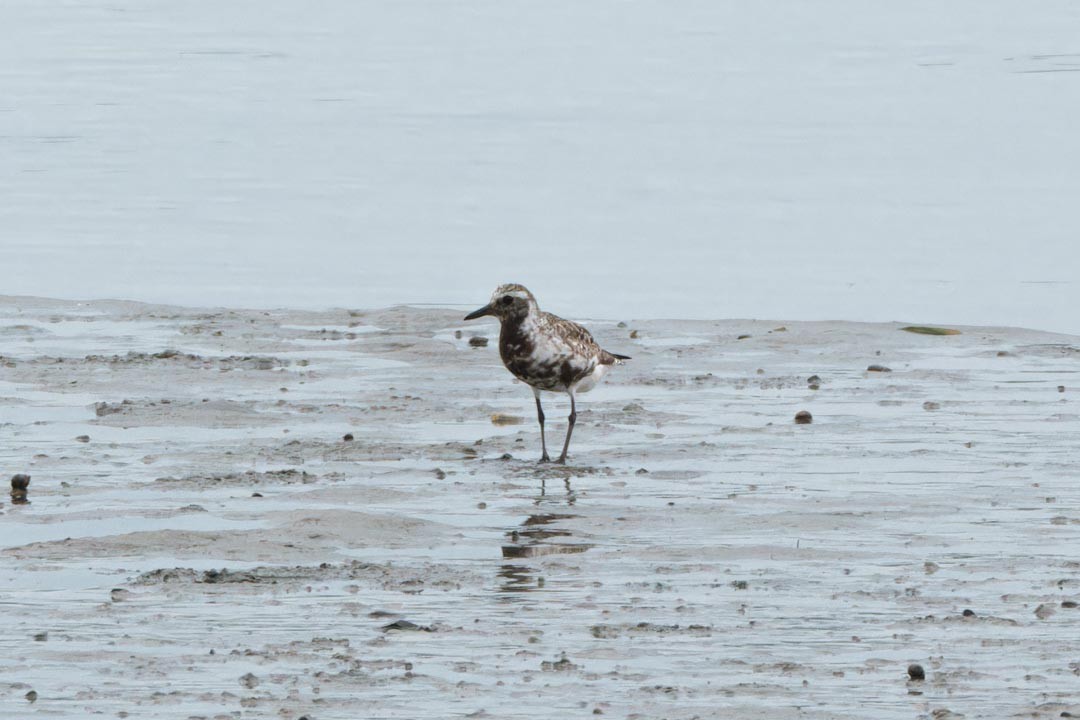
<point>878,368</point>
<point>1061,388</point>
<point>249,681</point>
<point>930,405</point>
<point>19,485</point>
<point>439,474</point>
<point>803,417</point>
<point>1044,611</point>
<point>969,612</point>
<point>83,438</point>
<point>916,672</point>
<point>478,341</point>
<point>347,437</point>
<point>1068,603</point>
<point>31,696</point>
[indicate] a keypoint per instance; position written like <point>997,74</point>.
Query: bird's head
<point>508,301</point>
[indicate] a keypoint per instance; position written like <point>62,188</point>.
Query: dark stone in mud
<point>249,681</point>
<point>969,613</point>
<point>83,438</point>
<point>31,696</point>
<point>256,495</point>
<point>931,406</point>
<point>478,341</point>
<point>20,482</point>
<point>803,417</point>
<point>1061,388</point>
<point>740,584</point>
<point>641,471</point>
<point>440,474</point>
<point>813,380</point>
<point>348,437</point>
<point>916,672</point>
<point>507,456</point>
<point>1068,603</point>
<point>742,337</point>
<point>1044,611</point>
<point>408,626</point>
<point>41,636</point>
<point>878,368</point>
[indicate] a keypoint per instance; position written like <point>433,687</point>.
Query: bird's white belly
<point>591,380</point>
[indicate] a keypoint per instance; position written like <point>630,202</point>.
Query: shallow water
<point>773,160</point>
<point>701,557</point>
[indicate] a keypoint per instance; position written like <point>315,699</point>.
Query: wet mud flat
<point>202,541</point>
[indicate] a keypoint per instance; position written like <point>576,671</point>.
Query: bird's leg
<point>540,416</point>
<point>569,431</point>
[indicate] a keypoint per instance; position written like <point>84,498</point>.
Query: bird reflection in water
<point>534,538</point>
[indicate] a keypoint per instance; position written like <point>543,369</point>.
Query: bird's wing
<point>577,339</point>
<point>581,342</point>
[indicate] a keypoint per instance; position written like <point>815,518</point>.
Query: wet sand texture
<point>200,541</point>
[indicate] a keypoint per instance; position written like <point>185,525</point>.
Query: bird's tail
<point>614,359</point>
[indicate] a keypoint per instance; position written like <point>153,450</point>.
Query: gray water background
<point>910,161</point>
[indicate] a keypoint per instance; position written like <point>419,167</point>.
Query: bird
<point>546,352</point>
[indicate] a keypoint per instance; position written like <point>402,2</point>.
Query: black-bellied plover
<point>546,352</point>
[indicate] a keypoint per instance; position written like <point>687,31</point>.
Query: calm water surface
<point>915,161</point>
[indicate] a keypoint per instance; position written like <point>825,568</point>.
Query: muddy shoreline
<point>202,541</point>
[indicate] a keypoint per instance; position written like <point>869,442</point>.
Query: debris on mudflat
<point>20,484</point>
<point>407,626</point>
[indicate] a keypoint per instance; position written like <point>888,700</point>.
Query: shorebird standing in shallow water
<point>546,352</point>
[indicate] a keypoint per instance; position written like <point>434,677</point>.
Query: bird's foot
<point>561,460</point>
<point>544,459</point>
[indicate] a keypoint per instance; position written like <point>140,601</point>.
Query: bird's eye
<point>506,300</point>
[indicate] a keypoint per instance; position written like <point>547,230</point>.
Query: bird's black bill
<point>486,310</point>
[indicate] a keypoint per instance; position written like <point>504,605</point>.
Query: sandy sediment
<point>202,540</point>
